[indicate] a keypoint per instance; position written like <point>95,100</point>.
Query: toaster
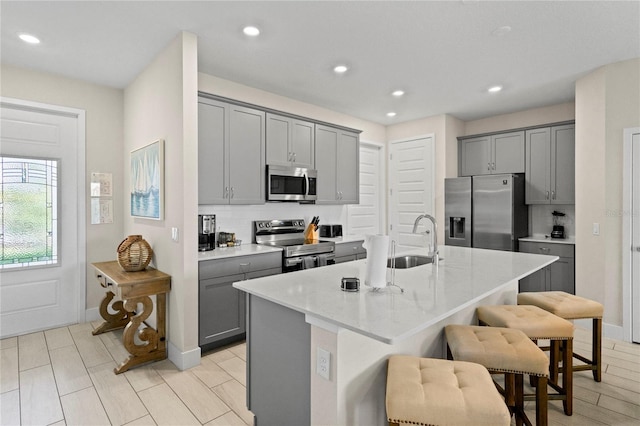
<point>330,231</point>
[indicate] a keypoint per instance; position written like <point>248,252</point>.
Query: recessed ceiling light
<point>499,32</point>
<point>28,38</point>
<point>340,69</point>
<point>398,93</point>
<point>251,31</point>
<point>391,114</point>
<point>494,89</point>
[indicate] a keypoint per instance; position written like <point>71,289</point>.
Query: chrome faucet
<point>434,252</point>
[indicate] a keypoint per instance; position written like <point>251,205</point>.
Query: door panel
<point>365,218</point>
<point>278,132</point>
<point>246,156</point>
<point>508,153</point>
<point>537,166</point>
<point>635,237</point>
<point>48,295</point>
<point>302,143</point>
<point>326,146</point>
<point>212,134</point>
<point>475,156</point>
<point>411,172</point>
<point>563,163</point>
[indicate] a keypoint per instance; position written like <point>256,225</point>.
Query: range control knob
<point>268,225</point>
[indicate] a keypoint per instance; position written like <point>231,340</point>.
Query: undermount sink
<point>404,262</point>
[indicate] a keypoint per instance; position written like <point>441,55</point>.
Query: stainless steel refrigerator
<point>485,211</point>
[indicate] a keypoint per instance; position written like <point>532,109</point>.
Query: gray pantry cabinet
<point>231,153</point>
<point>290,142</point>
<point>337,163</point>
<point>222,313</point>
<point>550,166</point>
<point>559,276</point>
<point>492,154</point>
<point>348,252</point>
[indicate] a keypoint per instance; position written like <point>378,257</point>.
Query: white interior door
<point>367,217</point>
<point>411,189</point>
<point>39,292</point>
<point>635,234</point>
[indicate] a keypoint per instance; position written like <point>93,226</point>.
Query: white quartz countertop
<point>431,293</point>
<point>345,239</point>
<point>243,250</point>
<point>547,239</point>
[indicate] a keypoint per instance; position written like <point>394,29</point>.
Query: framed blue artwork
<point>147,181</point>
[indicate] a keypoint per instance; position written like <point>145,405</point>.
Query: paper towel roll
<point>377,248</point>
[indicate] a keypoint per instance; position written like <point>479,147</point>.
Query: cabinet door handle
<point>294,157</point>
<point>553,195</point>
<point>488,166</point>
<point>547,196</point>
<point>232,192</point>
<point>545,249</point>
<point>226,192</point>
<point>493,166</point>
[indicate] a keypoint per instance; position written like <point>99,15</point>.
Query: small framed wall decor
<point>147,181</point>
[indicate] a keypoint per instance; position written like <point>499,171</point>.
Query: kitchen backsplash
<point>239,219</point>
<point>541,220</point>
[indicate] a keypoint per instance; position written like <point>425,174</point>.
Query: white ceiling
<point>443,54</point>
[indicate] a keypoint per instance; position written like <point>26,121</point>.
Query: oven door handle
<point>293,261</point>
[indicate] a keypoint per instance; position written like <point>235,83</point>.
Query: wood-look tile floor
<point>65,376</point>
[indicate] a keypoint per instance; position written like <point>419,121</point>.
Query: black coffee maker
<point>558,229</point>
<point>206,232</point>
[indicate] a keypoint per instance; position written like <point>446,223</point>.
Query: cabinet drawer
<point>347,249</point>
<point>552,249</point>
<point>239,265</point>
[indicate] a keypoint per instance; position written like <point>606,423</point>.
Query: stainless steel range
<point>297,253</point>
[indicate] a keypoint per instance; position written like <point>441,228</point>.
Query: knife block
<point>310,234</point>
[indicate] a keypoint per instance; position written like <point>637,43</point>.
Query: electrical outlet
<point>323,363</point>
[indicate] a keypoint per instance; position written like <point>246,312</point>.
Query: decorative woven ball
<point>134,253</point>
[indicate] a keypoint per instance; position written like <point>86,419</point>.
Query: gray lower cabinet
<point>492,154</point>
<point>550,166</point>
<point>231,153</point>
<point>337,162</point>
<point>348,252</point>
<point>222,310</point>
<point>559,276</point>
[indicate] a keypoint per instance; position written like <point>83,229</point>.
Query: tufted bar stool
<point>571,307</point>
<point>504,351</point>
<point>430,392</point>
<point>539,324</point>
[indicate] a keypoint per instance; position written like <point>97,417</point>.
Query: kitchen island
<point>293,317</point>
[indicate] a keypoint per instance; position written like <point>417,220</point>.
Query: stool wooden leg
<point>596,350</point>
<point>554,356</point>
<point>519,397</point>
<point>510,390</point>
<point>541,401</point>
<point>567,375</point>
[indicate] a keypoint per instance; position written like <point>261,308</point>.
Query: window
<point>28,212</point>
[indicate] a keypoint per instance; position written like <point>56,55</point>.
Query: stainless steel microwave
<point>291,184</point>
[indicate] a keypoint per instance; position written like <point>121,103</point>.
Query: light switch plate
<point>175,235</point>
<point>596,228</point>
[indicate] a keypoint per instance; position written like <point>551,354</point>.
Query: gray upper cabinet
<point>337,163</point>
<point>492,154</point>
<point>290,142</point>
<point>550,165</point>
<point>231,154</point>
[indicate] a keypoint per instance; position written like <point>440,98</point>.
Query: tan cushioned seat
<point>500,349</point>
<point>533,321</point>
<point>426,391</point>
<point>564,305</point>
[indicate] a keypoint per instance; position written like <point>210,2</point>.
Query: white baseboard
<point>184,360</point>
<point>92,314</point>
<point>609,331</point>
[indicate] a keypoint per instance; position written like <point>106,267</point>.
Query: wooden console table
<point>134,288</point>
